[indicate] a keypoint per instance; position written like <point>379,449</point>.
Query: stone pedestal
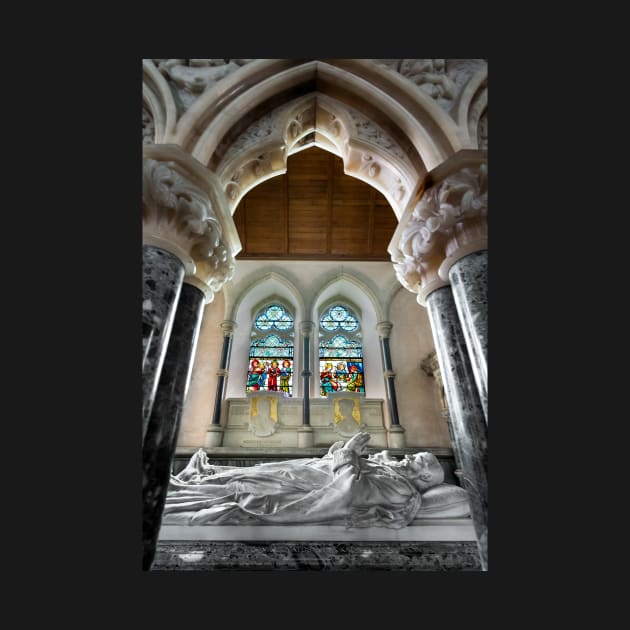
<point>214,436</point>
<point>305,436</point>
<point>469,283</point>
<point>466,412</point>
<point>396,437</point>
<point>184,555</point>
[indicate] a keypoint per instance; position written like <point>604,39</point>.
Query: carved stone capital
<point>448,221</point>
<point>384,328</point>
<point>430,365</point>
<point>186,213</point>
<point>306,328</point>
<point>228,327</point>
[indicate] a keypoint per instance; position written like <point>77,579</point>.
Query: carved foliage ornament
<point>463,195</point>
<point>148,128</point>
<point>242,177</point>
<point>441,79</point>
<point>367,130</point>
<point>184,211</point>
<point>188,78</point>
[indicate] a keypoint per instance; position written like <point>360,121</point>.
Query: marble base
<point>316,556</point>
<point>305,435</point>
<point>396,437</point>
<point>419,530</point>
<point>214,436</point>
<point>238,431</point>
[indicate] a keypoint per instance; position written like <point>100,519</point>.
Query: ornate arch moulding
<point>261,151</point>
<point>423,123</point>
<point>185,212</point>
<point>446,222</point>
<point>430,129</point>
<point>472,106</point>
<point>158,99</point>
<point>224,97</point>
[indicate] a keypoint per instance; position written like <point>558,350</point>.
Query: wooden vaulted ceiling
<point>314,211</point>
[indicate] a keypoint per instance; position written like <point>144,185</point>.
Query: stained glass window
<point>271,352</point>
<point>340,352</point>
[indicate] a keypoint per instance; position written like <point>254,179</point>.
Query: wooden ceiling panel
<point>314,211</point>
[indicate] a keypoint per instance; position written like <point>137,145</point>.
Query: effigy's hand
<point>358,443</point>
<point>334,447</point>
<point>345,460</point>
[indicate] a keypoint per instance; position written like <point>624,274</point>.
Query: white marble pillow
<point>444,501</point>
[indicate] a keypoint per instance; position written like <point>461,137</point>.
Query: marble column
<point>163,427</point>
<point>305,432</point>
<point>186,219</point>
<point>163,276</point>
<point>466,412</point>
<point>469,283</point>
<point>396,432</point>
<point>215,431</point>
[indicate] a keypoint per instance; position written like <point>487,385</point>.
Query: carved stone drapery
<point>447,222</point>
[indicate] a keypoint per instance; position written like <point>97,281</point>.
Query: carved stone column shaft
<point>466,411</point>
<point>163,276</point>
<point>384,329</point>
<point>306,328</point>
<point>159,444</point>
<point>228,327</point>
<point>469,282</point>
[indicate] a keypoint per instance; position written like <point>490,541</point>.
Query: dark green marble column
<point>163,276</point>
<point>469,283</point>
<point>466,411</point>
<point>163,427</point>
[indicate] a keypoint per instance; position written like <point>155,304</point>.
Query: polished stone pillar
<point>161,437</point>
<point>163,276</point>
<point>305,432</point>
<point>228,328</point>
<point>187,220</point>
<point>466,412</point>
<point>469,283</point>
<point>396,432</point>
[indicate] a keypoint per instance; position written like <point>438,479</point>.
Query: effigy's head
<point>424,470</point>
